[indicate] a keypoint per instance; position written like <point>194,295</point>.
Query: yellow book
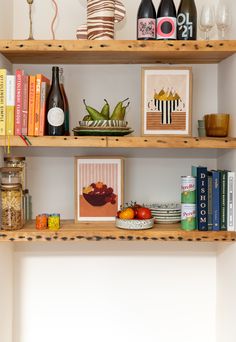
<point>3,74</point>
<point>10,104</point>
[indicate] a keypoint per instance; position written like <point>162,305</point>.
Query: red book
<point>18,107</point>
<point>25,104</point>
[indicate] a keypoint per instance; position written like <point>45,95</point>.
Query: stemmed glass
<point>207,19</point>
<point>223,18</point>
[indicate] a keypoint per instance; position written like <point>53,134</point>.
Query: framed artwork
<point>166,101</point>
<point>98,188</point>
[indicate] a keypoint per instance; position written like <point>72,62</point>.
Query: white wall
<point>6,292</point>
<point>115,292</point>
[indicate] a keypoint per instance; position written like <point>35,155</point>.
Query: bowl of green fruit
<point>103,122</point>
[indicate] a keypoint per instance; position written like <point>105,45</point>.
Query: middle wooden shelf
<point>121,142</point>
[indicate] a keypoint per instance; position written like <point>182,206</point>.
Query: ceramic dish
<point>134,224</point>
<point>104,123</point>
<point>102,132</point>
<point>165,207</point>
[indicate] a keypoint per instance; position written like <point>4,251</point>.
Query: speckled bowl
<point>134,224</point>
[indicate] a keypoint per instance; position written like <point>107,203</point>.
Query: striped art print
<point>166,101</point>
<point>98,188</point>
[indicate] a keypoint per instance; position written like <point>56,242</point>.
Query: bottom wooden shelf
<point>96,231</point>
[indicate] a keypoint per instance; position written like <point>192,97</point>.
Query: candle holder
<point>30,3</point>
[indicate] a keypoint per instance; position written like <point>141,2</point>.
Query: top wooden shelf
<point>116,51</point>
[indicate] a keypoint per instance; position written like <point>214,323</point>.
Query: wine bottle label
<point>146,28</point>
<point>166,28</point>
<point>185,26</point>
<point>56,116</point>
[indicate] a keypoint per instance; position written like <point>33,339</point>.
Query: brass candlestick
<point>30,3</point>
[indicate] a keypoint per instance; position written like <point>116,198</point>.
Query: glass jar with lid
<point>11,207</point>
<point>18,162</point>
<point>10,175</point>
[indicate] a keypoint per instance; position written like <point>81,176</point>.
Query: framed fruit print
<point>166,101</point>
<point>98,188</point>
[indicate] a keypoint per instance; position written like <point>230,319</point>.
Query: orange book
<point>39,79</point>
<point>32,88</point>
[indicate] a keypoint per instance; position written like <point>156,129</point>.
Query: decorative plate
<point>102,132</point>
<point>168,207</point>
<point>104,123</point>
<point>134,224</point>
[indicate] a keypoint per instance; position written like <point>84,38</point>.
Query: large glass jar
<point>18,162</point>
<point>11,207</point>
<point>10,175</point>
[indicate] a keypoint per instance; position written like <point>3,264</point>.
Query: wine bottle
<point>66,103</point>
<point>187,20</point>
<point>166,20</point>
<point>146,21</point>
<point>55,119</point>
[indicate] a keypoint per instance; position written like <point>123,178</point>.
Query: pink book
<point>25,104</point>
<point>18,106</point>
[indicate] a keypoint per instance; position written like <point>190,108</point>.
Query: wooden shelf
<point>97,231</point>
<point>116,51</point>
<point>123,142</point>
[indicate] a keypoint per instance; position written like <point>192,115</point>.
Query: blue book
<point>209,183</point>
<point>215,200</point>
<point>202,198</point>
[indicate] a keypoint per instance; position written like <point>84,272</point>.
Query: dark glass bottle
<point>146,21</point>
<point>55,116</point>
<point>66,103</point>
<point>166,20</point>
<point>187,20</point>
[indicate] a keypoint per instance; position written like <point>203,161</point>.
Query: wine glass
<point>223,18</point>
<point>207,19</point>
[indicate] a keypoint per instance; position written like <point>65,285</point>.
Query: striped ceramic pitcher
<point>101,16</point>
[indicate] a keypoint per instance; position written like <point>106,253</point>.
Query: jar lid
<point>14,158</point>
<point>10,169</point>
<point>11,186</point>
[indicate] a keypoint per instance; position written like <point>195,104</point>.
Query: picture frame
<point>98,188</point>
<point>167,101</point>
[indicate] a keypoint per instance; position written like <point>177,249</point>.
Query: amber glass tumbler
<point>217,125</point>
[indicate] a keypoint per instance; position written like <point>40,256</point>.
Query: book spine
<point>230,202</point>
<point>25,98</point>
<point>216,200</point>
<point>209,183</point>
<point>223,200</point>
<point>44,92</point>
<point>18,106</point>
<point>3,74</point>
<point>202,198</point>
<point>194,174</point>
<point>37,104</point>
<point>31,109</point>
<point>10,103</point>
<point>39,79</point>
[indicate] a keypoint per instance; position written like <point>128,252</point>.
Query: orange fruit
<point>127,214</point>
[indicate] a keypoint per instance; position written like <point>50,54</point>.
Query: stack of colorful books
<point>215,199</point>
<point>22,103</point>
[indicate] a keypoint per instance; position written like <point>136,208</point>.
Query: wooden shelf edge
<point>123,142</point>
<point>97,231</point>
<point>62,141</point>
<point>116,51</point>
